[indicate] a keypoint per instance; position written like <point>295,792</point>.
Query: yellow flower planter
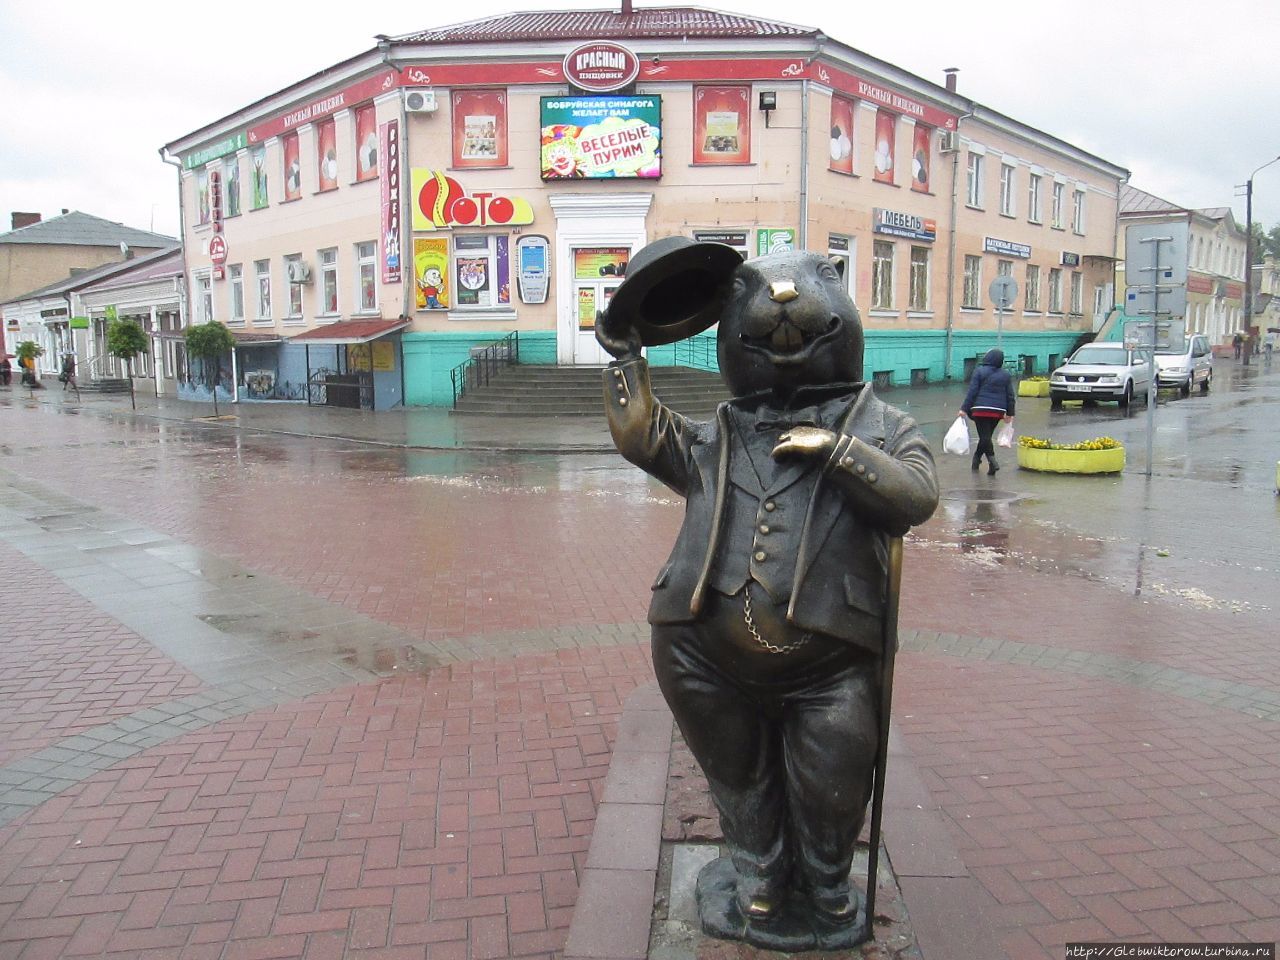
<point>1071,461</point>
<point>1033,388</point>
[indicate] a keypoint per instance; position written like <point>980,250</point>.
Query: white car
<point>1186,368</point>
<point>1102,371</point>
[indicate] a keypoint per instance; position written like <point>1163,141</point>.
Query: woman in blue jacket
<point>990,400</point>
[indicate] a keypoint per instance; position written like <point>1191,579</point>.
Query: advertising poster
<point>379,357</point>
<point>389,150</point>
<point>366,142</point>
<point>884,146</point>
<point>258,177</point>
<point>479,128</point>
<point>722,124</point>
<point>597,263</point>
<point>504,268</point>
<point>202,195</point>
<point>586,308</point>
<point>327,154</point>
<point>770,240</point>
<point>431,272</point>
<point>473,280</point>
<point>292,167</point>
<point>920,150</point>
<point>589,138</point>
<point>842,134</point>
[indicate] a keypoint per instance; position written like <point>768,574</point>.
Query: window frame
<point>1077,212</point>
<point>918,278</point>
<point>1031,300</point>
<point>1056,204</point>
<point>973,180</point>
<point>235,290</point>
<point>262,291</point>
<point>294,312</point>
<point>1008,202</point>
<point>1076,287</point>
<point>882,274</point>
<point>1055,290</point>
<point>371,262</point>
<point>464,244</point>
<point>1035,197</point>
<point>328,272</point>
<point>971,285</point>
<point>202,284</point>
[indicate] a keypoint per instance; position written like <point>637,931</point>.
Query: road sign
<point>1141,301</point>
<point>1140,267</point>
<point>1003,291</point>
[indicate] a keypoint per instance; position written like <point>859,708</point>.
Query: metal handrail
<point>698,352</point>
<point>479,368</point>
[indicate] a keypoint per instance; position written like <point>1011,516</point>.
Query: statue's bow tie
<point>769,419</point>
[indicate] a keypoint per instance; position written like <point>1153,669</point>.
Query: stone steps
<point>537,390</point>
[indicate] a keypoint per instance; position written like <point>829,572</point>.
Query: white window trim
<point>360,309</point>
<point>321,268</point>
<point>1011,209</point>
<point>232,319</point>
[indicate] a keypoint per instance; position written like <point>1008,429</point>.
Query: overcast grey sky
<point>1185,95</point>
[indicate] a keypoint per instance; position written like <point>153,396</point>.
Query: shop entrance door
<point>597,272</point>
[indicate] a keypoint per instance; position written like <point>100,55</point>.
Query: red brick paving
<point>450,811</point>
<point>66,667</point>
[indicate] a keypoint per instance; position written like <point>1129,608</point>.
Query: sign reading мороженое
<point>1006,247</point>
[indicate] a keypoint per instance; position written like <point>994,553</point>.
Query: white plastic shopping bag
<point>1004,435</point>
<point>957,439</point>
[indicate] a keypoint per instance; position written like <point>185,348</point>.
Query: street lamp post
<point>1248,256</point>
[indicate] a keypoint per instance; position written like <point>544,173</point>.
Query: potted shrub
<point>1099,455</point>
<point>27,351</point>
<point>1033,387</point>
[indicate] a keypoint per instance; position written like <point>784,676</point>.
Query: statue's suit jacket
<point>878,482</point>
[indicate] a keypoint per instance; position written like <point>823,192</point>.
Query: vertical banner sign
<point>884,146</point>
<point>389,153</point>
<point>292,167</point>
<point>258,166</point>
<point>366,142</point>
<point>327,154</point>
<point>842,113</point>
<point>921,146</point>
<point>722,124</point>
<point>215,200</point>
<point>504,268</point>
<point>431,272</point>
<point>479,128</point>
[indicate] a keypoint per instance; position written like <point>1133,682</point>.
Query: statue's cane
<point>889,649</point>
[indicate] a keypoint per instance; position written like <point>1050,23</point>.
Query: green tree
<point>209,343</point>
<point>28,351</point>
<point>125,340</point>
<point>1265,242</point>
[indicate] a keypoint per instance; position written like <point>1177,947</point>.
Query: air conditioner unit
<point>947,141</point>
<point>297,271</point>
<point>420,101</point>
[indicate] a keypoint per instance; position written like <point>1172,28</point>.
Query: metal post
<point>1248,267</point>
<point>1000,326</point>
<point>1151,359</point>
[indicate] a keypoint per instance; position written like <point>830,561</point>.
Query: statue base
<point>793,929</point>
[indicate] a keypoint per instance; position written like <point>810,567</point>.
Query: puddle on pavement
<point>389,661</point>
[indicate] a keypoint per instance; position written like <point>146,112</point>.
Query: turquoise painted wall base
<point>429,357</point>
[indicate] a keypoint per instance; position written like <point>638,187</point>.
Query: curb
<point>947,908</point>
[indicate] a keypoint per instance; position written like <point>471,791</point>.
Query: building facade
<point>449,188</point>
<point>1216,251</point>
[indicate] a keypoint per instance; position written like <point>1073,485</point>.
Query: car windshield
<point>1108,356</point>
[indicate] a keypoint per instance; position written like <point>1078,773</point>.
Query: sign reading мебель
<point>1006,247</point>
<point>594,138</point>
<point>906,225</point>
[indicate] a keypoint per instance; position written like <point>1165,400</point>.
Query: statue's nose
<point>783,291</point>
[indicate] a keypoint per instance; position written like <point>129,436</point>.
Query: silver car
<point>1102,371</point>
<point>1188,367</point>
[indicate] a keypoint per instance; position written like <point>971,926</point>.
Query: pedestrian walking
<point>1237,342</point>
<point>68,372</point>
<point>990,399</point>
<point>6,370</point>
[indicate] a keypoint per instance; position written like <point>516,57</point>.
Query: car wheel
<point>1055,401</point>
<point>1125,400</point>
<point>1185,389</point>
<point>1204,384</point>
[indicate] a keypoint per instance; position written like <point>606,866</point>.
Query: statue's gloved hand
<point>617,335</point>
<point>805,442</point>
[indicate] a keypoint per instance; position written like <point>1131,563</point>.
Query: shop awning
<point>350,331</point>
<point>243,338</point>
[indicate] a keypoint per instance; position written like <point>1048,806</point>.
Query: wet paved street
<point>312,683</point>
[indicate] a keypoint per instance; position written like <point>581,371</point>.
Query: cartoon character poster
<point>366,143</point>
<point>585,138</point>
<point>842,113</point>
<point>479,128</point>
<point>473,280</point>
<point>258,178</point>
<point>327,154</point>
<point>292,167</point>
<point>920,158</point>
<point>431,272</point>
<point>884,146</point>
<point>722,124</point>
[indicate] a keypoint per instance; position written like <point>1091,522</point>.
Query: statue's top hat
<point>675,288</point>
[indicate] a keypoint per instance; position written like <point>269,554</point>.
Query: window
<point>292,266</point>
<point>1033,198</point>
<point>235,274</point>
<point>231,180</point>
<point>292,167</point>
<point>1007,207</point>
<point>366,276</point>
<point>258,177</point>
<point>1056,211</point>
<point>974,173</point>
<point>366,143</point>
<point>1033,288</point>
<point>327,154</point>
<point>840,249</point>
<point>885,144</point>
<point>882,275</point>
<point>1077,211</point>
<point>972,282</point>
<point>1055,290</point>
<point>722,124</point>
<point>328,280</point>
<point>202,196</point>
<point>262,270</point>
<point>1077,292</point>
<point>1099,303</point>
<point>481,271</point>
<point>918,292</point>
<point>1004,268</point>
<point>204,299</point>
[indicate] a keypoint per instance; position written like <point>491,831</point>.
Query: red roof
<point>653,23</point>
<point>350,331</point>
